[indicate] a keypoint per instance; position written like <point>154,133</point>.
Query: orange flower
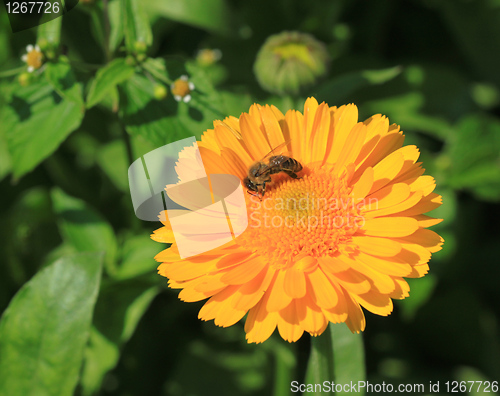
<point>318,248</point>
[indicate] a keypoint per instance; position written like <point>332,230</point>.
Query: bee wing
<point>275,151</point>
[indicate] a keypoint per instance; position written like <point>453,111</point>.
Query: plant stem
<point>107,29</point>
<point>128,144</point>
<point>321,363</point>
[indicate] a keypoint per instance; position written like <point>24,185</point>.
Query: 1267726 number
<point>30,7</point>
<point>470,386</point>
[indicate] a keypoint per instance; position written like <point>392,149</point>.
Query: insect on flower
<point>260,173</point>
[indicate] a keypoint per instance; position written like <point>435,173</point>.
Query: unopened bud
<point>160,92</point>
<point>290,61</point>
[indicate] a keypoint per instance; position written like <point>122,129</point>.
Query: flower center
<point>180,88</point>
<point>34,58</point>
<point>313,216</point>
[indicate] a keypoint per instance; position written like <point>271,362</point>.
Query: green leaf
<point>112,159</point>
<point>136,24</point>
<point>406,110</point>
<point>107,78</point>
<point>421,291</point>
<point>118,311</point>
<point>83,228</point>
<point>286,363</point>
<point>212,15</point>
<point>341,87</point>
<point>116,22</point>
<point>138,257</point>
<point>337,355</point>
<point>61,77</point>
<point>473,155</point>
<point>35,122</point>
<point>143,115</point>
<point>44,330</point>
<point>50,31</point>
<point>5,163</point>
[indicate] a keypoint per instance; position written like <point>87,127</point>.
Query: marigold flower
<point>181,89</point>
<point>342,236</point>
<point>33,57</point>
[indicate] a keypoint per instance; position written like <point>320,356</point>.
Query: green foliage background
<point>83,309</point>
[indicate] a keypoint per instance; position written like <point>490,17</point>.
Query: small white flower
<point>181,89</point>
<point>33,57</point>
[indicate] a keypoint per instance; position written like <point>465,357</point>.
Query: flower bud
<point>24,79</point>
<point>130,60</point>
<point>290,61</point>
<point>140,47</point>
<point>160,92</point>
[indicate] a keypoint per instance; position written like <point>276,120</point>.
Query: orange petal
<point>288,323</point>
<point>278,299</point>
<point>249,294</point>
<point>351,280</point>
<point>322,291</point>
<point>389,267</point>
<point>260,323</point>
<point>389,226</point>
<point>380,304</point>
<point>164,235</point>
<point>319,134</point>
<point>213,306</point>
<point>363,185</point>
<point>298,142</point>
<point>233,163</point>
<point>344,119</point>
<point>212,161</point>
<point>384,146</point>
<point>257,144</point>
<point>356,319</point>
<point>245,271</point>
<point>414,198</point>
<point>332,264</point>
<point>426,238</point>
<point>385,171</point>
<point>226,139</point>
<point>314,321</point>
<point>402,289</point>
<point>294,283</point>
<point>384,247</point>
<point>382,282</point>
<point>389,196</point>
<point>271,126</point>
<point>352,146</point>
<point>426,204</point>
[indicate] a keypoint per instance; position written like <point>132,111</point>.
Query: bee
<point>260,173</point>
